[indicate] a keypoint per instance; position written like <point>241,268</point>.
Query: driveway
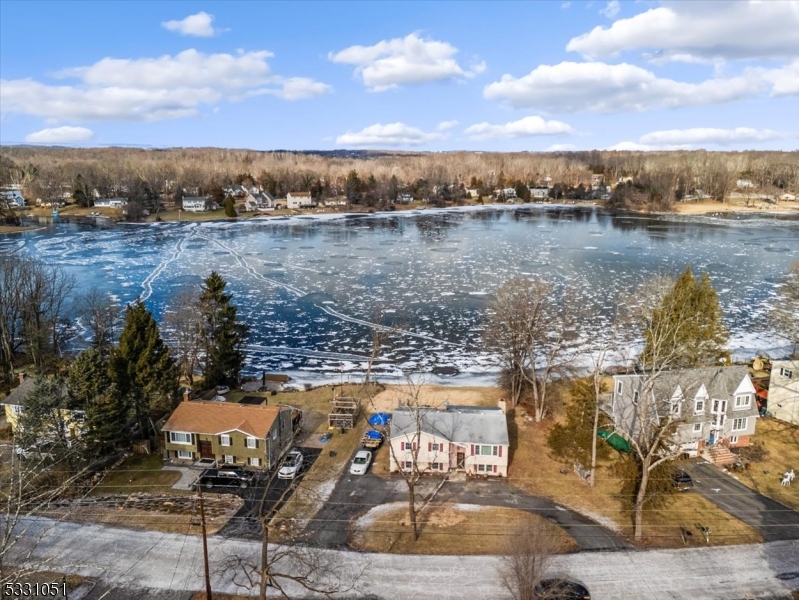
<point>354,495</point>
<point>773,520</point>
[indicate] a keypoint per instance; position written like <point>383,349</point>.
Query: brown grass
<point>781,440</point>
<point>535,471</point>
<point>436,395</point>
<point>447,529</point>
<point>139,473</point>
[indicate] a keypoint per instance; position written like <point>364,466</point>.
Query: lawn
<point>535,471</point>
<point>780,440</point>
<point>139,473</point>
<point>317,399</point>
<point>446,529</point>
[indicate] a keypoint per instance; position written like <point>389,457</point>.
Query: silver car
<point>360,464</point>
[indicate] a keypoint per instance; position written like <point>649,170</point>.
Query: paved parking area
<point>187,476</point>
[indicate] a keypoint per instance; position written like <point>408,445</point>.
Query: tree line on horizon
<point>147,177</point>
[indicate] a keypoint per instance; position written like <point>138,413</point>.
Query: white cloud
<point>294,88</point>
<point>723,30</point>
<point>152,89</point>
<point>391,134</point>
<point>189,68</point>
<point>605,88</point>
<point>198,25</point>
<point>611,9</point>
<point>526,127</point>
<point>446,125</point>
<point>565,5</point>
<point>403,61</point>
<point>561,148</point>
<point>709,135</point>
<point>784,81</point>
<point>60,135</point>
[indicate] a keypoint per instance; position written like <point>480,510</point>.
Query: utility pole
<point>208,595</point>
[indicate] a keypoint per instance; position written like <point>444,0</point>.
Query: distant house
<point>11,198</point>
<point>404,198</point>
<point>783,391</point>
<point>240,191</point>
<point>259,201</point>
<point>337,201</point>
<point>16,401</point>
<point>234,434</point>
<point>787,197</point>
<point>744,184</point>
<point>539,192</point>
<point>712,405</point>
<point>196,203</point>
<point>473,192</point>
<point>299,200</point>
<point>111,202</point>
<point>470,439</point>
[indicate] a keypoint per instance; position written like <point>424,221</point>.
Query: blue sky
<point>428,76</point>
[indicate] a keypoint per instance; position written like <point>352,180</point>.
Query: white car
<point>360,464</point>
<point>222,389</point>
<point>291,466</point>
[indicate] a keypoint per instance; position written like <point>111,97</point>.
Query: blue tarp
<point>379,419</point>
<point>374,435</point>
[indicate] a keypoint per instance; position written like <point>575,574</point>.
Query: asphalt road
<point>356,494</point>
<point>773,520</point>
<point>134,559</point>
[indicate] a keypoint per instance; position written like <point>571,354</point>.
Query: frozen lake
<point>309,287</point>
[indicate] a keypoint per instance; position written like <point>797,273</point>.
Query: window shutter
<point>402,446</point>
<point>413,446</point>
<point>219,439</point>
<point>256,443</point>
<point>472,449</point>
<point>500,451</point>
<point>429,446</point>
<point>495,468</point>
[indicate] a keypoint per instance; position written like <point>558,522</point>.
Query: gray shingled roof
<point>19,393</point>
<point>459,424</point>
<point>720,382</point>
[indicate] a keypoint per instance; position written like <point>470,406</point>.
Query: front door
<point>206,451</point>
<point>461,459</point>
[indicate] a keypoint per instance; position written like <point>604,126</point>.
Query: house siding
<point>448,456</point>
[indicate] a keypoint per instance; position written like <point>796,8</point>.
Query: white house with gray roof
<point>470,439</point>
<point>783,391</point>
<point>712,405</point>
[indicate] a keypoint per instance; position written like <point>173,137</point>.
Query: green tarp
<point>615,440</point>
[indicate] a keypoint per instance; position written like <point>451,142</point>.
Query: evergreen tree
<point>686,329</point>
<point>91,390</point>
<point>224,336</point>
<point>141,366</point>
<point>230,207</point>
<point>572,439</point>
<point>45,416</point>
<point>81,193</point>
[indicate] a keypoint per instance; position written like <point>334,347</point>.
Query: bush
<point>230,208</point>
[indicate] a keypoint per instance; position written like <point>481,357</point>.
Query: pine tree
<point>230,207</point>
<point>91,390</point>
<point>686,329</point>
<point>45,417</point>
<point>224,336</point>
<point>571,440</point>
<point>141,366</point>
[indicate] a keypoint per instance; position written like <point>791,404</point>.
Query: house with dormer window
<point>711,406</point>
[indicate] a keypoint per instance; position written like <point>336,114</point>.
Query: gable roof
<point>300,194</point>
<point>214,418</point>
<point>459,424</point>
<point>18,394</point>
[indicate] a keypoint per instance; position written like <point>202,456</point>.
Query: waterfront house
<point>711,405</point>
<point>469,439</point>
<point>70,420</point>
<point>230,433</point>
<point>195,203</point>
<point>11,198</point>
<point>783,391</point>
<point>111,202</point>
<point>299,200</point>
<point>259,201</point>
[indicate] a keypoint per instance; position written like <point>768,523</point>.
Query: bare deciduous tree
<point>183,324</point>
<point>527,557</point>
<point>101,316</point>
<point>531,331</point>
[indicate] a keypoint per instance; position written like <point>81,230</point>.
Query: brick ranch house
<point>469,439</point>
<point>712,405</point>
<point>230,433</point>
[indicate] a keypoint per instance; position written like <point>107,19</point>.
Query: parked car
<point>219,398</point>
<point>682,481</point>
<point>291,466</point>
<point>360,464</point>
<point>225,478</point>
<point>222,389</point>
<point>561,589</point>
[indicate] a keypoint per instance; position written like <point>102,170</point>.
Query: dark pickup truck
<point>682,481</point>
<point>225,478</point>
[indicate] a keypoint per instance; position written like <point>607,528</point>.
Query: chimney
<point>21,377</point>
<point>186,395</point>
<point>502,405</point>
